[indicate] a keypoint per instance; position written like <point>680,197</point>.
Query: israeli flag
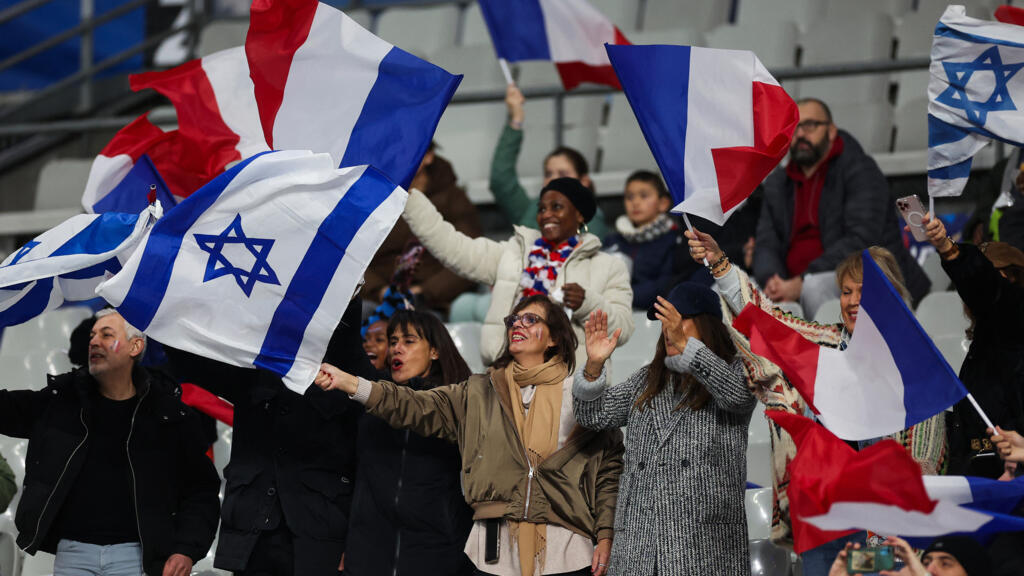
<point>256,268</point>
<point>66,264</point>
<point>974,96</point>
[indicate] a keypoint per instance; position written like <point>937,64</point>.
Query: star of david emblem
<point>959,74</point>
<point>218,265</point>
<point>23,251</point>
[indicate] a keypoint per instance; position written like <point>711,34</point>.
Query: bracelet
<point>718,262</point>
<point>590,376</point>
<point>953,249</point>
<point>515,125</point>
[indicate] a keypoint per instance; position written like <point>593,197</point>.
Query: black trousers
<point>279,553</point>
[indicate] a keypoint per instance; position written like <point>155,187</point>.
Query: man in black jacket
<point>830,201</point>
<point>100,508</point>
<point>290,479</point>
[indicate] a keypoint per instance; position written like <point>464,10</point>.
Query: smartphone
<point>870,559</point>
<point>913,212</point>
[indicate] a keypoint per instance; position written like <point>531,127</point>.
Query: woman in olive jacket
<point>536,480</point>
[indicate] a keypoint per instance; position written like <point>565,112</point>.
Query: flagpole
<point>689,227</point>
<point>980,411</point>
<point>931,205</point>
<point>505,70</point>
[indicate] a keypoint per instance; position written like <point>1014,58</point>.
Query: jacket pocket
<point>330,503</point>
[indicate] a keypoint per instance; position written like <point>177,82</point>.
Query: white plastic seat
<point>582,116</point>
<point>535,74</point>
<point>467,134</point>
<point>466,336</point>
<point>774,44</point>
<point>954,349</point>
<point>829,312</point>
<point>639,350</point>
<point>758,504</point>
<point>866,38</point>
<point>18,374</point>
<point>910,122</point>
<point>474,29</point>
<point>870,122</point>
<point>220,35</point>
<point>623,13</point>
<point>933,269</point>
<point>58,324</point>
<point>767,559</point>
<point>480,72</point>
<point>771,12</point>
<point>841,9</point>
<point>942,314</point>
<point>39,564</point>
<point>673,36</point>
<point>61,182</point>
<point>623,146</point>
<point>759,451</point>
<point>23,339</point>
<point>420,30</point>
<point>693,14</point>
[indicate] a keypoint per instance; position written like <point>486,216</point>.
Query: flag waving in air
<point>890,377</point>
<point>716,121</point>
<point>975,95</point>
<point>257,267</point>
<point>569,33</point>
<point>66,263</point>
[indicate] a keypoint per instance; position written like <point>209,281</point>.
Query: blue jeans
<point>81,559</point>
<point>818,561</point>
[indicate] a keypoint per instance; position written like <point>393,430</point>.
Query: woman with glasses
<point>542,488</point>
<point>559,259</point>
<point>680,508</point>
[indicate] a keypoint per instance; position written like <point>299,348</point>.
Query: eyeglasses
<point>528,319</point>
<point>810,125</point>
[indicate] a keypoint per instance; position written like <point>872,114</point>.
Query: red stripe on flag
<point>794,354</point>
<point>134,139</point>
<point>826,470</point>
<point>741,169</point>
<point>208,403</point>
<point>575,73</point>
<point>277,28</point>
<point>1010,15</point>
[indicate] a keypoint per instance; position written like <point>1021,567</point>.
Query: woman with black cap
<point>680,509</point>
<point>561,260</point>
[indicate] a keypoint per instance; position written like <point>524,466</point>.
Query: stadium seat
<point>61,182</point>
<point>767,559</point>
<point>420,30</point>
<point>40,564</point>
<point>775,44</point>
<point>954,349</point>
<point>221,35</point>
<point>942,314</point>
<point>693,14</point>
<point>862,38</point>
<point>22,339</point>
<point>19,375</point>
<point>678,36</point>
<point>479,68</point>
<point>870,122</point>
<point>975,8</point>
<point>769,13</point>
<point>582,117</point>
<point>758,504</point>
<point>58,324</point>
<point>623,147</point>
<point>838,10</point>
<point>638,351</point>
<point>623,13</point>
<point>474,29</point>
<point>466,336</point>
<point>910,123</point>
<point>933,268</point>
<point>467,134</point>
<point>537,74</point>
<point>828,313</point>
<point>759,450</point>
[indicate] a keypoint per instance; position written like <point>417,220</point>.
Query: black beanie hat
<point>580,196</point>
<point>967,551</point>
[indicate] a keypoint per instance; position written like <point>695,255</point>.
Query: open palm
<point>599,345</point>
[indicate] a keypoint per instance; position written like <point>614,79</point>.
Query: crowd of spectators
<point>398,460</point>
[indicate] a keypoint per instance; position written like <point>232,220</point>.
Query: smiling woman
<point>542,489</point>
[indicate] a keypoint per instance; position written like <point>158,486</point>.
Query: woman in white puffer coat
<point>559,259</point>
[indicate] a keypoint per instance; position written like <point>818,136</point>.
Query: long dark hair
<point>715,336</point>
<point>449,367</point>
<point>559,327</point>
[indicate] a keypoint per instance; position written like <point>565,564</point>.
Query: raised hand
<point>514,101</point>
<point>911,563</point>
<point>677,331</point>
<point>1009,444</point>
<point>332,378</point>
<point>599,345</point>
<point>936,232</point>
<point>703,246</point>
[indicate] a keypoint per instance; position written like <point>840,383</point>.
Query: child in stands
<point>651,239</point>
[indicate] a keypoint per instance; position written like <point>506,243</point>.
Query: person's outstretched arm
<point>508,193</point>
<point>596,404</point>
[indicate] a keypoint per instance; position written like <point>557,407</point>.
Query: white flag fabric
<point>974,95</point>
<point>256,268</point>
<point>66,263</point>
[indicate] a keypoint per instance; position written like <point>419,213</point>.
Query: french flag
<point>835,490</point>
<point>890,377</point>
<point>324,83</point>
<point>716,121</point>
<point>569,33</point>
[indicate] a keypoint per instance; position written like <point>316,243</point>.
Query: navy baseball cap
<point>692,299</point>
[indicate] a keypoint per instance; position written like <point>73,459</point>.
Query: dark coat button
<point>640,466</point>
<point>271,491</point>
<point>685,463</point>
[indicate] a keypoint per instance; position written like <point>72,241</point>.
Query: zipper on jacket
<point>81,417</point>
<point>131,468</point>
<point>398,491</point>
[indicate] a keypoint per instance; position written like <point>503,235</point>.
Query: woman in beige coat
<point>560,259</point>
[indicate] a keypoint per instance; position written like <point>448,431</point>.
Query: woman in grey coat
<point>680,509</point>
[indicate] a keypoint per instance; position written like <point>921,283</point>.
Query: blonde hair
<point>853,267</point>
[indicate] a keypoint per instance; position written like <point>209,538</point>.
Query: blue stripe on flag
<point>929,384</point>
<point>29,305</point>
<point>661,112</point>
<point>157,263</point>
<point>132,193</point>
<point>958,170</point>
<point>942,29</point>
<point>315,272</point>
<point>400,116</point>
<point>517,29</point>
<point>995,496</point>
<point>96,271</point>
<point>103,234</point>
<point>941,132</point>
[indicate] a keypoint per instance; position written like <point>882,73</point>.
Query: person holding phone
<point>990,281</point>
<point>686,415</point>
<point>925,442</point>
<point>542,488</point>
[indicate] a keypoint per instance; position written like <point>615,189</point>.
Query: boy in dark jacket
<point>98,507</point>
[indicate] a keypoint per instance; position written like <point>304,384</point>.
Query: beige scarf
<point>538,430</point>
